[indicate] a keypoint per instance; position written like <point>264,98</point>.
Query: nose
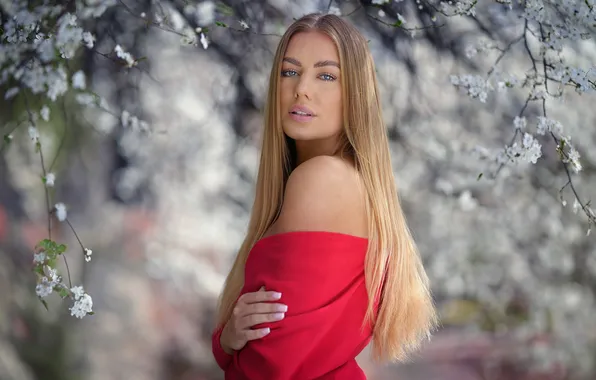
<point>303,88</point>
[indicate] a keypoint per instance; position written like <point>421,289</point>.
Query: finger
<point>264,308</point>
<point>256,334</point>
<point>244,309</point>
<point>259,297</point>
<point>256,319</point>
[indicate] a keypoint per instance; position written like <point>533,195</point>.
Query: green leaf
<point>7,139</point>
<point>64,292</point>
<point>398,23</point>
<point>219,23</point>
<point>37,147</point>
<point>61,249</point>
<point>45,304</point>
<point>91,313</point>
<point>479,176</point>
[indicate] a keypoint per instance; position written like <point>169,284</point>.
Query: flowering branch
<point>536,15</point>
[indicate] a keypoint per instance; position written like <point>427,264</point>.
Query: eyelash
<point>332,77</point>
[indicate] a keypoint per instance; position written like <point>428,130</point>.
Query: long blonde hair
<point>393,268</point>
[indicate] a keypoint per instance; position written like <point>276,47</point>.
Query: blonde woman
<point>328,263</point>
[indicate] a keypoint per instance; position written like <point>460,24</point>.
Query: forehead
<point>312,45</point>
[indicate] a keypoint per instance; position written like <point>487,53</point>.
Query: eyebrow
<point>296,62</point>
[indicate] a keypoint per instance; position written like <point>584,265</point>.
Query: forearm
<point>221,355</point>
<point>223,341</point>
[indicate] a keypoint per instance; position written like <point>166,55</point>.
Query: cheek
<point>286,93</point>
<point>334,102</point>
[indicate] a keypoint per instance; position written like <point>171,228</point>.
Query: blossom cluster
<point>552,24</point>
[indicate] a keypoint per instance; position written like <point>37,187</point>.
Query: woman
<point>328,262</point>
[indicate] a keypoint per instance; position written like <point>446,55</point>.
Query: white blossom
<point>532,149</point>
<point>45,113</point>
<point>88,39</point>
<point>60,211</point>
<point>88,254</point>
<point>47,283</point>
<point>83,304</point>
<point>476,86</point>
<point>471,51</point>
<point>77,292</point>
<point>546,125</point>
<point>56,82</point>
<point>528,151</point>
<point>204,41</point>
<point>68,36</point>
<point>127,57</point>
<point>50,178</point>
<point>520,123</point>
<point>573,158</point>
<point>39,258</point>
<point>33,134</point>
<point>44,288</point>
<point>576,206</point>
<point>78,80</point>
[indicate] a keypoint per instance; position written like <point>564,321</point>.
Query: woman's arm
<point>223,358</point>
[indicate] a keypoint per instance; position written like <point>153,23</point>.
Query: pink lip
<point>301,118</point>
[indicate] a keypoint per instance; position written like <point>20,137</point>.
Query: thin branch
<point>63,138</point>
<point>399,26</point>
<point>359,7</point>
<point>504,53</point>
<point>43,168</point>
<point>75,234</point>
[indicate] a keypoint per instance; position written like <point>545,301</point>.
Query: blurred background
<point>158,178</point>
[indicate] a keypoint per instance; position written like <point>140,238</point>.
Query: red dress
<point>321,278</point>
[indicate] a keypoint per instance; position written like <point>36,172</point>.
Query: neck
<point>305,150</point>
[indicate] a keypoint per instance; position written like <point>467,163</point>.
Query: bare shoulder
<point>324,194</point>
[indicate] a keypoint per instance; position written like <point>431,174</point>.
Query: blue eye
<point>290,73</point>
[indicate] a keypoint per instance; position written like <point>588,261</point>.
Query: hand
<point>251,309</point>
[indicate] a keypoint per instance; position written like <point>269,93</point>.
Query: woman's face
<point>310,90</point>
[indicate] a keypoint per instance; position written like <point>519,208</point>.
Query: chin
<point>299,131</point>
<point>295,130</point>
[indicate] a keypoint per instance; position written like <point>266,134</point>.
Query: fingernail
<point>276,295</point>
<point>282,308</point>
<point>266,331</point>
<point>278,315</point>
